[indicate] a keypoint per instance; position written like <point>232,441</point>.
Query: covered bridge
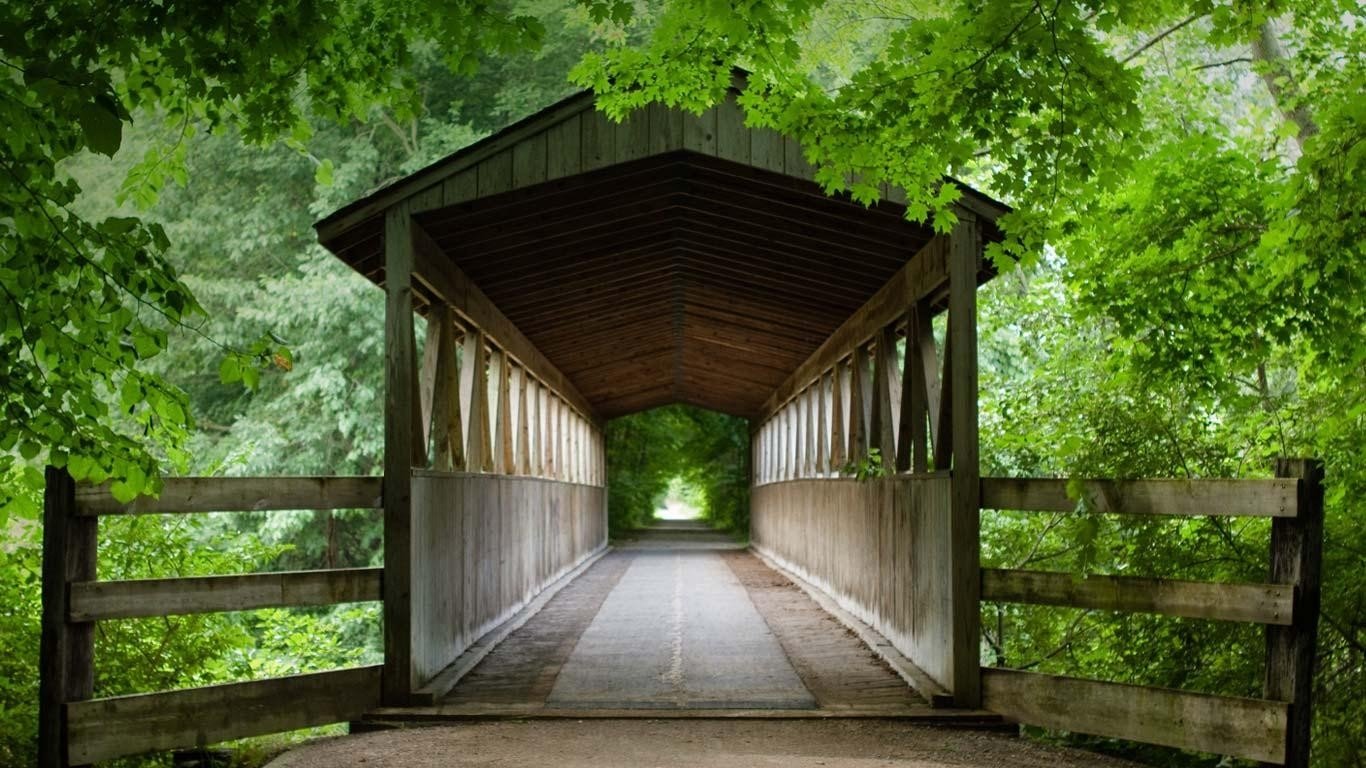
<point>571,270</point>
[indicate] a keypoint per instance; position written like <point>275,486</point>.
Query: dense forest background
<point>1183,298</point>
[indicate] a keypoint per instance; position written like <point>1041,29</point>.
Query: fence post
<point>1296,558</point>
<point>66,670</point>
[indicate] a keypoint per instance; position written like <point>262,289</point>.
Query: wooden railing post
<point>401,415</point>
<point>66,652</point>
<point>1296,559</point>
<point>960,391</point>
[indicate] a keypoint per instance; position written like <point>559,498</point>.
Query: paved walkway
<point>681,617</point>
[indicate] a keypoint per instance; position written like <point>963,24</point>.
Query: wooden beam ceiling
<point>674,278</point>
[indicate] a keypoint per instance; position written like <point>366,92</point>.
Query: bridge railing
<point>1272,729</point>
<point>77,729</point>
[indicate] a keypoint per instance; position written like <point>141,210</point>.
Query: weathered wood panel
<point>1297,562</point>
<point>1249,728</point>
<point>489,544</point>
<point>1272,497</point>
<point>234,494</point>
<point>880,548</point>
<point>100,600</point>
<point>104,729</point>
<point>66,669</point>
<point>1258,603</point>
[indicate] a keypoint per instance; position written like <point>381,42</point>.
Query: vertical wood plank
<point>699,132</point>
<point>1297,558</point>
<point>881,434</point>
<point>506,459</point>
<point>599,140</point>
<point>666,129</point>
<point>449,450</point>
<point>943,425</point>
<point>427,380</point>
<point>837,411</point>
<point>529,161</point>
<point>795,162</point>
<point>633,136</point>
<point>822,426</point>
<point>461,188</point>
<point>552,469</point>
<point>524,420</point>
<point>911,454</point>
<point>858,435</point>
<point>766,149</point>
<point>495,174</point>
<point>474,381</point>
<point>396,681</point>
<point>419,429</point>
<point>732,137</point>
<point>66,669</point>
<point>813,396</point>
<point>564,149</point>
<point>965,484</point>
<point>928,362</point>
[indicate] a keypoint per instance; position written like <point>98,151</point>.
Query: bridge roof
<point>669,258</point>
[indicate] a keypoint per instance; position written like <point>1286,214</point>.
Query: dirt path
<point>688,744</point>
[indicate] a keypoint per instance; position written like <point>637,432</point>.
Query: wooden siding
<point>489,544</point>
<point>879,547</point>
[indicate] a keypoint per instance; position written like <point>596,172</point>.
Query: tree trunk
<point>1281,82</point>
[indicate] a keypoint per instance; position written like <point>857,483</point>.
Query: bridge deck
<point>679,618</point>
<point>713,654</point>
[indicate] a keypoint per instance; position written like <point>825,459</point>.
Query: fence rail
<point>1273,729</point>
<point>76,729</point>
<point>1270,497</point>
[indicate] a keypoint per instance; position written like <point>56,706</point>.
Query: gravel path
<point>688,744</point>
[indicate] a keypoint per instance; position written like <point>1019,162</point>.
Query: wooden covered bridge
<point>571,270</point>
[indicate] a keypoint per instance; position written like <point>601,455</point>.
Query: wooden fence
<point>77,729</point>
<point>1272,729</point>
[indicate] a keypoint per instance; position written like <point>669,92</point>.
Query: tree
<point>87,302</point>
<point>1187,178</point>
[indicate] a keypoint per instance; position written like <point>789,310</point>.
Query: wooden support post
<point>523,426</point>
<point>822,429</point>
<point>882,429</point>
<point>944,425</point>
<point>399,417</point>
<point>505,461</point>
<point>66,668</point>
<point>474,391</point>
<point>837,411</point>
<point>552,466</point>
<point>420,426</point>
<point>858,433</point>
<point>1296,558</point>
<point>911,454</point>
<point>965,252</point>
<point>448,448</point>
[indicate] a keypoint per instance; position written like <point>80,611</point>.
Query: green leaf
<point>102,126</point>
<point>323,173</point>
<point>230,370</point>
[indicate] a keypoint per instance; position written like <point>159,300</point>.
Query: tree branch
<point>1160,36</point>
